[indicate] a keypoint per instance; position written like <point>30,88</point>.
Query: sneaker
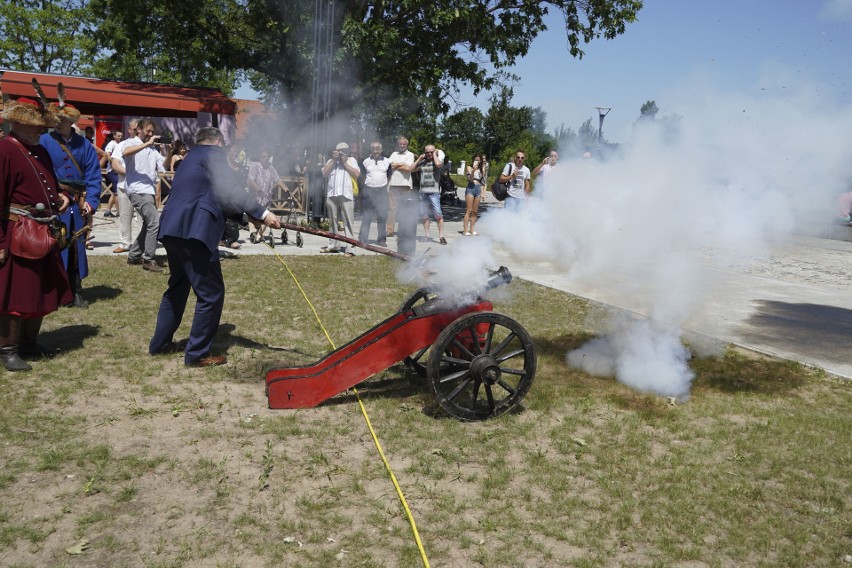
<point>475,234</point>
<point>108,214</point>
<point>443,241</point>
<point>466,234</point>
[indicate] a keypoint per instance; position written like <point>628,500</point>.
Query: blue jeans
<point>513,203</point>
<point>432,205</point>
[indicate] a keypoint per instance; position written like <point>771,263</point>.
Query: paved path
<point>797,304</point>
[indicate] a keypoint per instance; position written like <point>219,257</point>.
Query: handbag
<point>30,239</point>
<point>500,190</point>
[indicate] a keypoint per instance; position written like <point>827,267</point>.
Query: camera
<point>166,137</point>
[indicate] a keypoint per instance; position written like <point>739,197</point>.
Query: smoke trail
<point>727,176</point>
<point>459,275</point>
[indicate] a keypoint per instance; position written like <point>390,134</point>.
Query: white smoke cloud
<point>725,177</point>
<point>459,275</point>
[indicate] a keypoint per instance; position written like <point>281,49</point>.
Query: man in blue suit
<point>203,194</point>
<point>75,163</point>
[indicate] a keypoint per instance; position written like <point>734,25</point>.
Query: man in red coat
<point>29,288</point>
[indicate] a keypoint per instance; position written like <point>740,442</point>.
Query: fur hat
<point>64,111</point>
<point>29,112</point>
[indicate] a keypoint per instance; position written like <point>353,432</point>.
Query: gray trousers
<point>145,244</point>
<point>340,209</point>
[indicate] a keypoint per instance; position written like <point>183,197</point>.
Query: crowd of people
<point>53,183</point>
<point>49,192</point>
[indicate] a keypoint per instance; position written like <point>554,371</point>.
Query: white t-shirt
<point>339,180</point>
<point>141,167</point>
<point>116,155</point>
<point>110,148</point>
<point>546,170</point>
<point>398,178</point>
<point>377,171</point>
<point>516,187</point>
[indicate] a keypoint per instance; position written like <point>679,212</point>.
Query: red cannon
<point>478,363</point>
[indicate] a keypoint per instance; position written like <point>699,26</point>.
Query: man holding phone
<point>545,169</point>
<point>517,175</point>
<point>340,172</point>
<point>142,162</point>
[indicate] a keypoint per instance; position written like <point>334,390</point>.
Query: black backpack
<point>500,190</point>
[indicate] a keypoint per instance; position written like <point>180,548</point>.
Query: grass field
<point>115,458</point>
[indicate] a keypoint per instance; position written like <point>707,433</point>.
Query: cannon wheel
<point>481,365</point>
<point>416,361</point>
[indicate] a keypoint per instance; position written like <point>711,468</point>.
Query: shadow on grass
<point>397,382</point>
<point>68,338</point>
<point>225,338</point>
<point>101,293</point>
<point>733,373</point>
<point>738,373</point>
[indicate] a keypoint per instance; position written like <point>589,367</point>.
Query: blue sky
<point>751,47</point>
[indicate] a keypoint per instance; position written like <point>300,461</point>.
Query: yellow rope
<point>366,419</point>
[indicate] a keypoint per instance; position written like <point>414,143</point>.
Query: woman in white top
<point>473,194</point>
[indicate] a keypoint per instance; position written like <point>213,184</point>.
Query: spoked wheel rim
<point>481,366</point>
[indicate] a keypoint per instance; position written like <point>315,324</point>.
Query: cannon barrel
<point>439,304</point>
<point>498,278</point>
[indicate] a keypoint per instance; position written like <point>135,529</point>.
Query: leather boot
<point>9,331</point>
<point>28,346</point>
<point>79,301</point>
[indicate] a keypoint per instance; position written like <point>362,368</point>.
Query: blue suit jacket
<point>204,191</point>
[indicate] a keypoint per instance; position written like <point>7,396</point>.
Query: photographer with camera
<point>341,173</point>
<point>142,164</point>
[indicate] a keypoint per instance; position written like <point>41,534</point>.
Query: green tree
<point>415,48</point>
<point>511,128</point>
<point>566,137</point>
<point>588,135</point>
<point>648,111</point>
<point>47,36</point>
<point>168,42</point>
<point>463,134</point>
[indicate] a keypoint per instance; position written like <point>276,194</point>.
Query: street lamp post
<point>602,112</point>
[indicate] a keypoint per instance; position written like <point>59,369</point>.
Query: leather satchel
<point>30,239</point>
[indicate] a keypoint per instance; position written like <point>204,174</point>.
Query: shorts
<point>112,176</point>
<point>432,205</point>
<point>474,190</point>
